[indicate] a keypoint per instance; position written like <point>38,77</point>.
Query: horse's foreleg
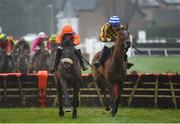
<point>120,90</point>
<point>75,102</point>
<point>115,98</point>
<point>103,84</point>
<point>67,101</point>
<point>106,101</point>
<point>59,89</point>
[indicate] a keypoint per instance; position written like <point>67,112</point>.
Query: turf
<point>89,115</point>
<point>156,64</point>
<point>153,64</point>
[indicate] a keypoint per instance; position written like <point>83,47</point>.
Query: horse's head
<point>123,38</point>
<point>44,45</point>
<point>68,57</point>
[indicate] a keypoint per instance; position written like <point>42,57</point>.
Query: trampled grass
<point>89,115</point>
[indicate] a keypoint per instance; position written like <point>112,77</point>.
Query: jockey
<point>107,34</point>
<point>12,40</point>
<point>38,41</point>
<point>6,44</point>
<point>36,45</point>
<point>67,37</point>
<point>52,40</point>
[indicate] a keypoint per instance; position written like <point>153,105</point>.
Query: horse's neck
<point>118,54</point>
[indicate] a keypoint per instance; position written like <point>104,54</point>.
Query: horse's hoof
<point>113,113</point>
<point>61,113</point>
<point>74,114</point>
<point>107,108</point>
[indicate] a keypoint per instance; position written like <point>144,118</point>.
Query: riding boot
<point>129,65</point>
<point>79,55</point>
<point>103,56</point>
<point>56,60</point>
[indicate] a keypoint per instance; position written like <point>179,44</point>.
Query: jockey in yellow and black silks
<point>107,35</point>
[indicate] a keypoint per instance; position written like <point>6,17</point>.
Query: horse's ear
<point>126,27</point>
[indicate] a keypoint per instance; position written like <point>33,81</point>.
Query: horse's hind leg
<point>75,102</point>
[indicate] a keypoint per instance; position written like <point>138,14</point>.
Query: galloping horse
<point>42,58</point>
<point>112,74</point>
<point>22,57</point>
<point>6,62</point>
<point>68,74</point>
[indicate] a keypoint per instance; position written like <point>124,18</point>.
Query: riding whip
<point>137,49</point>
<point>83,58</point>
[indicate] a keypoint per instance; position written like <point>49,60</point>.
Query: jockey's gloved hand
<point>46,49</point>
<point>49,51</point>
<point>37,48</point>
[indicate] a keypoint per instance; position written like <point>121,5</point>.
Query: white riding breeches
<point>109,44</point>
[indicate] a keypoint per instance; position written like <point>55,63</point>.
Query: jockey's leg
<point>79,55</point>
<point>103,55</point>
<point>129,65</point>
<point>56,60</point>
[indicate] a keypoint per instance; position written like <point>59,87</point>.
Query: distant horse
<point>42,58</point>
<point>22,57</point>
<point>112,74</point>
<point>6,62</point>
<point>68,74</point>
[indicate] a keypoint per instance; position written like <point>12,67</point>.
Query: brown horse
<point>68,75</point>
<point>41,59</point>
<point>22,56</point>
<point>112,74</point>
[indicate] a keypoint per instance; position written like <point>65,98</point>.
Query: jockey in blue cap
<point>107,35</point>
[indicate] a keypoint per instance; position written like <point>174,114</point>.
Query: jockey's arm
<point>103,34</point>
<point>35,45</point>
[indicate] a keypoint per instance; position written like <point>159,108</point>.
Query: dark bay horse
<point>112,74</point>
<point>68,75</point>
<point>22,56</point>
<point>6,61</point>
<point>41,60</point>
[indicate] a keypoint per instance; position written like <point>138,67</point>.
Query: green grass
<point>89,115</point>
<point>156,64</point>
<point>153,64</point>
